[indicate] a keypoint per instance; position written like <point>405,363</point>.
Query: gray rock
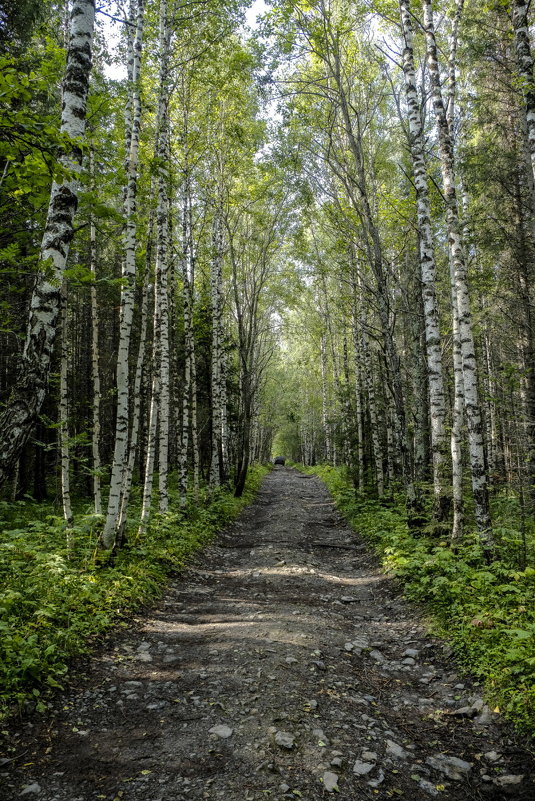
<point>320,734</point>
<point>336,762</point>
<point>285,740</point>
<point>144,646</point>
<point>427,787</point>
<point>221,730</point>
<point>377,656</point>
<point>485,716</point>
<point>379,780</point>
<point>32,789</point>
<point>509,780</point>
<point>492,756</point>
<point>284,787</point>
<point>362,768</point>
<point>369,756</point>
<point>408,661</point>
<point>330,781</point>
<point>143,656</point>
<point>412,652</point>
<point>478,703</point>
<point>395,750</point>
<point>291,660</point>
<point>453,767</point>
<point>171,659</point>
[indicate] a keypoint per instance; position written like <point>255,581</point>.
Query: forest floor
<point>282,664</point>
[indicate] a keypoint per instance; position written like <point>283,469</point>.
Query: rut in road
<point>282,665</point>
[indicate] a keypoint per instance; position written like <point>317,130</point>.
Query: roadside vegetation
<point>486,612</point>
<point>57,595</point>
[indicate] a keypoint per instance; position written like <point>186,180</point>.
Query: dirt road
<point>281,665</point>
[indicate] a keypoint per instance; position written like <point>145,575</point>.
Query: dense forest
<point>223,239</point>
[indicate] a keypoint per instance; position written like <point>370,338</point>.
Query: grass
<point>55,600</point>
<point>486,612</point>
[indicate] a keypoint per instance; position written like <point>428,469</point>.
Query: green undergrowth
<point>57,595</point>
<point>487,613</point>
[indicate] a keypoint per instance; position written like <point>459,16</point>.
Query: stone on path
<point>362,768</point>
<point>330,781</point>
<point>221,730</point>
<point>285,739</point>
<point>32,789</point>
<point>377,656</point>
<point>453,767</point>
<point>508,780</point>
<point>395,750</point>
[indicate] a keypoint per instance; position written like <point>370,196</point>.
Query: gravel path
<point>282,665</point>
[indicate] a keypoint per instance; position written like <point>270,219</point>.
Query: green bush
<point>487,612</point>
<point>56,596</point>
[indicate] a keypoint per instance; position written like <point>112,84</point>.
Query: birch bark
<point>457,422</point>
<point>372,408</point>
<point>136,416</point>
<point>187,234</point>
<point>437,400</point>
<point>122,423</point>
<point>216,287</point>
<point>95,372</point>
<point>27,397</point>
<point>161,291</point>
<point>525,62</point>
<point>65,458</point>
<point>358,395</point>
<point>462,299</point>
<point>325,401</point>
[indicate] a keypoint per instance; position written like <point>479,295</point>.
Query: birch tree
<point>27,396</point>
<point>462,299</point>
<point>217,463</point>
<point>427,269</point>
<point>126,314</point>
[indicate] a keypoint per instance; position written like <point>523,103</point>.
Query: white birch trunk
<point>525,65</point>
<point>325,402</point>
<point>138,378</point>
<point>457,422</point>
<point>471,397</point>
<point>65,458</point>
<point>27,396</point>
<point>216,287</point>
<point>122,424</point>
<point>151,453</point>
<point>374,417</point>
<point>194,424</point>
<point>225,458</point>
<point>187,234</point>
<point>437,401</point>
<point>358,398</point>
<point>95,372</point>
<point>162,265</point>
